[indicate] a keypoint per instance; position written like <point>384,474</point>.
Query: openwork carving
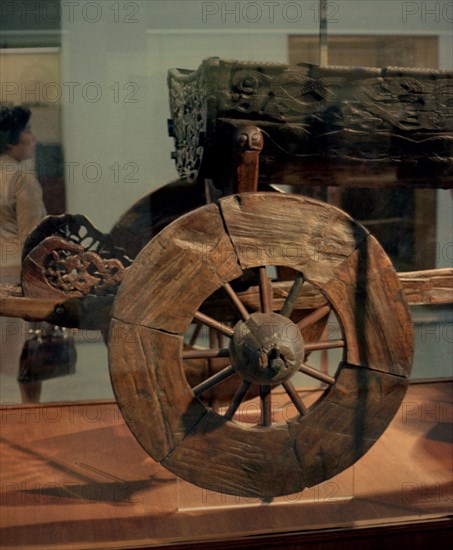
<point>68,255</point>
<point>77,229</point>
<point>188,106</point>
<point>70,268</point>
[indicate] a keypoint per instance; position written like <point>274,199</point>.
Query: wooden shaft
<point>237,399</point>
<point>216,325</point>
<point>205,353</point>
<point>236,301</point>
<point>266,405</point>
<point>213,380</point>
<point>324,344</point>
<point>247,171</point>
<point>310,371</point>
<point>294,396</point>
<point>265,295</point>
<point>434,286</point>
<point>247,146</point>
<point>290,301</point>
<point>30,309</point>
<point>314,317</point>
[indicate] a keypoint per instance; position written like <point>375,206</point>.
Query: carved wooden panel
<point>336,125</point>
<point>67,256</point>
<point>410,213</point>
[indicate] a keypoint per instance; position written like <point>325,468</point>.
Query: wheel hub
<point>267,348</point>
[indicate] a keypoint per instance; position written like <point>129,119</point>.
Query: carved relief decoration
<point>390,115</point>
<point>68,255</point>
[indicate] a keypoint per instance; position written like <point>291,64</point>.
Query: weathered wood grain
<point>368,298</point>
<point>289,230</point>
<point>347,422</point>
<point>223,456</point>
<point>14,304</point>
<point>309,297</point>
<point>89,312</point>
<point>180,268</point>
<point>430,287</point>
<point>433,286</point>
<point>149,383</point>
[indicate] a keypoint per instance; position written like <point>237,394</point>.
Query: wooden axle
<point>431,287</point>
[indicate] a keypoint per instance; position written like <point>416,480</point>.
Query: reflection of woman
<point>21,208</point>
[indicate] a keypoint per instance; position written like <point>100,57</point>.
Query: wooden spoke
<point>310,371</point>
<point>205,353</point>
<point>290,301</point>
<point>291,391</point>
<point>240,308</point>
<point>265,291</point>
<point>213,380</point>
<point>195,334</point>
<point>237,399</point>
<point>324,344</point>
<point>266,405</point>
<point>314,317</point>
<point>216,325</point>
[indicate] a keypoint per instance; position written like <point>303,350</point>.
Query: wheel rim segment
<point>199,253</point>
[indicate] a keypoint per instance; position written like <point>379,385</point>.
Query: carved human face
<point>249,137</point>
<point>25,148</point>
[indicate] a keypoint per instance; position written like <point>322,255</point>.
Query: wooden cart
<point>263,269</point>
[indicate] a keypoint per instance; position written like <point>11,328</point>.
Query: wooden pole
<point>323,49</point>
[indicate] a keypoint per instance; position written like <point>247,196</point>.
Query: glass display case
<point>250,246</point>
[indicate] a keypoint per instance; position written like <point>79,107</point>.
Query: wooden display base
<point>73,477</point>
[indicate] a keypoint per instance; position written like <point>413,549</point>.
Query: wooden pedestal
<point>73,477</point>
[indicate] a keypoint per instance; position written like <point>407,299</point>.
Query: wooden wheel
<point>208,249</point>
